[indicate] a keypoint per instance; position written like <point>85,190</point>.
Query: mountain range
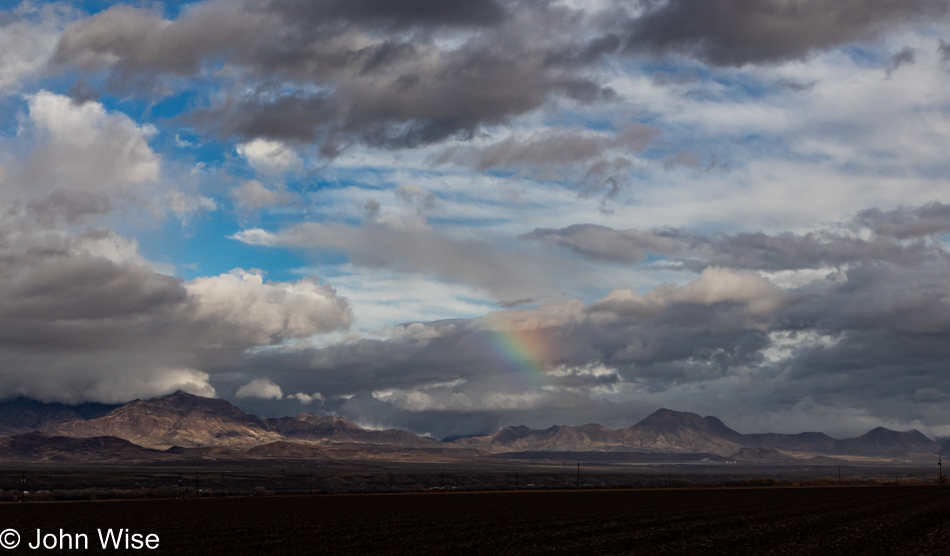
<point>184,423</point>
<point>674,431</point>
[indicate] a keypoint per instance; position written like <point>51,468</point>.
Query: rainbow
<point>524,354</point>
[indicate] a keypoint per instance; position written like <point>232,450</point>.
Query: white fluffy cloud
<point>83,146</point>
<point>26,43</point>
<point>262,388</point>
<point>270,157</point>
<point>715,285</point>
<point>156,383</point>
<point>267,312</point>
<point>306,399</point>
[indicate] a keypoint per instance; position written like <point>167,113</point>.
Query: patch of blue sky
<point>170,9</point>
<point>88,6</point>
<point>29,9</point>
<point>203,247</point>
<point>59,82</point>
<point>670,67</point>
<point>11,108</point>
<point>578,119</point>
<point>210,153</point>
<point>865,57</point>
<point>364,177</point>
<point>481,197</point>
<point>470,222</point>
<point>174,105</point>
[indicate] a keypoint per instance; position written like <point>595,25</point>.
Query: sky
<point>451,216</point>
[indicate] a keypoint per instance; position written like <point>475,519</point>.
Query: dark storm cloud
<point>885,330</point>
<point>586,53</point>
<point>875,341</point>
<point>738,32</point>
<point>57,284</point>
<point>405,74</point>
<point>338,72</point>
<point>870,337</point>
<point>403,13</point>
<point>446,378</point>
<point>864,345</point>
<point>869,340</point>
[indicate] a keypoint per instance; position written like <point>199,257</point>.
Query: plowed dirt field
<point>793,521</point>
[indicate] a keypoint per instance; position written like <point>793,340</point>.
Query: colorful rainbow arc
<point>522,353</point>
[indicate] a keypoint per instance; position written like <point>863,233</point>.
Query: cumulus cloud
<point>72,161</point>
<point>260,388</point>
<point>27,39</point>
<point>84,147</point>
<point>86,318</point>
<point>270,157</point>
<point>260,312</point>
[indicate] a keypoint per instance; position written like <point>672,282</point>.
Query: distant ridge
<point>337,430</point>
<point>185,423</point>
<point>666,430</point>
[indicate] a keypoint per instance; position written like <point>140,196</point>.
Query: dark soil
<point>865,521</point>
